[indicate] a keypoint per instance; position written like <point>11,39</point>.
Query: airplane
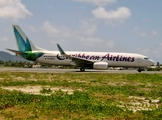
<point>91,60</point>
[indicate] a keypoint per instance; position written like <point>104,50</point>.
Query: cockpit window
<point>146,58</point>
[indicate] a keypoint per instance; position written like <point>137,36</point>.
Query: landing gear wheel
<point>139,70</point>
<point>82,69</point>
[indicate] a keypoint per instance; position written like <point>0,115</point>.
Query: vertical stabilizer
<point>23,42</point>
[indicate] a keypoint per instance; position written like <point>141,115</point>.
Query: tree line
<point>28,64</point>
<point>10,63</point>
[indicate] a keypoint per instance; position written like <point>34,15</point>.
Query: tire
<point>82,69</point>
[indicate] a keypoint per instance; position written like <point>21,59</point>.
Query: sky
<point>86,25</point>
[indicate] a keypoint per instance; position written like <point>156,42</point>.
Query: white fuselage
<point>113,59</point>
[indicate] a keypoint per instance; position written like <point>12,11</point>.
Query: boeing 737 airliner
<point>92,60</point>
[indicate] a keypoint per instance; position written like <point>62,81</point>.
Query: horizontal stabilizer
<point>15,51</point>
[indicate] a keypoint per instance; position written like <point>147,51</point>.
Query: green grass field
<point>80,96</point>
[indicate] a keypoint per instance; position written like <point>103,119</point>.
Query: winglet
<point>61,50</point>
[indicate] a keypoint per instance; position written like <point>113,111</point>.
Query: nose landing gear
<point>141,69</point>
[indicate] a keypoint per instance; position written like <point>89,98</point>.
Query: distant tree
<point>158,65</point>
<point>1,62</point>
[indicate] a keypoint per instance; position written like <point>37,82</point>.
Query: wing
<point>75,60</point>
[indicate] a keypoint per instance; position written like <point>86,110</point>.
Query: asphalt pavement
<point>47,70</point>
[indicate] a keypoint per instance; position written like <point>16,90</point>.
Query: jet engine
<point>100,66</point>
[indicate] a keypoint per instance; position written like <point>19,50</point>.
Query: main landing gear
<point>139,70</point>
<point>82,69</point>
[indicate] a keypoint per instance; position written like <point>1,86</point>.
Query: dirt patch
<point>36,90</point>
<point>139,104</point>
<point>1,78</point>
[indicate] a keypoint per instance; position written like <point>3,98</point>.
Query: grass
<point>95,96</point>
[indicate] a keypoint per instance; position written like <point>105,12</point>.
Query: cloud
<point>120,14</point>
<point>147,20</point>
<point>98,2</point>
<point>88,29</point>
<point>13,9</point>
<point>49,29</point>
<point>147,34</point>
<point>32,29</point>
<point>154,33</point>
<point>143,34</point>
<point>85,36</point>
<point>3,39</point>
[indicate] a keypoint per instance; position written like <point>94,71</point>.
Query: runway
<point>47,70</point>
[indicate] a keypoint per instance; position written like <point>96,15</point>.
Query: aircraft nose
<point>151,62</point>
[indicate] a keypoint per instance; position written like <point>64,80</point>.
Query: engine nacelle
<point>100,66</point>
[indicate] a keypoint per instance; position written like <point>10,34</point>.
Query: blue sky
<point>86,25</point>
